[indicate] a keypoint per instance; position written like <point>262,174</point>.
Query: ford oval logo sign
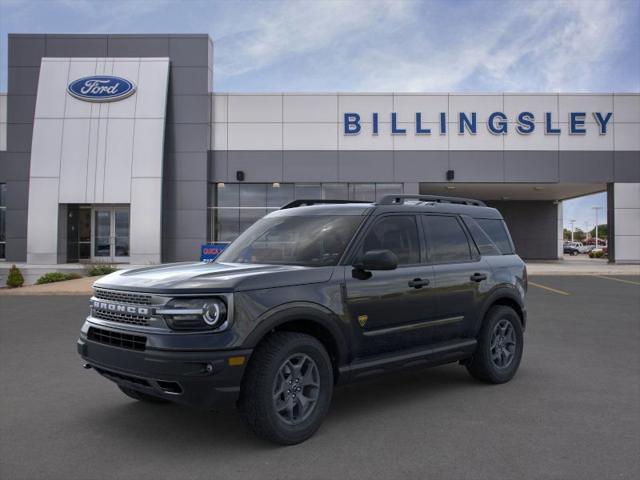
<point>101,88</point>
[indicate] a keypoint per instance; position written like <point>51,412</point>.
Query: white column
<point>560,236</point>
<point>626,208</point>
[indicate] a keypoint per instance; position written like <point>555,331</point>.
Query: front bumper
<point>201,379</point>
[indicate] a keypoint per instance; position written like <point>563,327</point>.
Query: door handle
<point>478,277</point>
<point>418,283</point>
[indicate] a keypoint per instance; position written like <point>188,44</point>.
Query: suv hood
<point>209,277</point>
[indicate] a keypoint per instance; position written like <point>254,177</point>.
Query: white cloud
<point>292,29</point>
<point>542,47</point>
<point>407,46</point>
<point>377,45</point>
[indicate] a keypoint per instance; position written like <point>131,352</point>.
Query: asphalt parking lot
<point>573,410</point>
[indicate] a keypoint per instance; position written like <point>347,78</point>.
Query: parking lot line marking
<point>618,279</point>
<point>544,287</point>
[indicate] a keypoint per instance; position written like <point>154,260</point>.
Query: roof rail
<point>400,199</point>
<point>306,203</point>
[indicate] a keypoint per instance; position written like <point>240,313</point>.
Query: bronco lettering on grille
<point>117,308</point>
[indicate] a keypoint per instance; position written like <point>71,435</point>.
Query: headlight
<point>194,313</point>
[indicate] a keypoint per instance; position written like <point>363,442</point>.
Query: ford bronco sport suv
<point>316,294</point>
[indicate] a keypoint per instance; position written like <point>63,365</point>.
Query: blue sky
<point>378,45</point>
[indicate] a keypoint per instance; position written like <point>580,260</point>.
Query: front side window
<point>446,240</point>
<point>397,233</point>
<point>312,241</point>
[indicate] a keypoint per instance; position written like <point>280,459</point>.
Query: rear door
<point>387,309</point>
<point>461,276</point>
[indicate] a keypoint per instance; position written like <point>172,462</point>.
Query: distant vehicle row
<point>576,248</point>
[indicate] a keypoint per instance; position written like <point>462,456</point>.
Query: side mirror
<point>377,260</point>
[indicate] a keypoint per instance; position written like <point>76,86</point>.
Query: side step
<point>436,354</point>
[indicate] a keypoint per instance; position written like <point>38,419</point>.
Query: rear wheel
<point>287,388</point>
<point>500,344</point>
<point>143,397</point>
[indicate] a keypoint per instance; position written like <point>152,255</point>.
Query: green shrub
<point>101,269</point>
<point>15,278</point>
<point>596,254</point>
<point>52,277</point>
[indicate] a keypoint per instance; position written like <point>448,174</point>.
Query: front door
<point>389,310</point>
<point>110,234</point>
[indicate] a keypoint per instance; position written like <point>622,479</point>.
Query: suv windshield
<point>312,241</point>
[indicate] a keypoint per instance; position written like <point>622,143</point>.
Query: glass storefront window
<point>121,224</point>
<point>234,207</point>
<point>3,216</point>
<point>228,195</point>
<point>227,226</point>
<point>383,189</point>
<point>279,194</point>
<point>335,191</point>
<point>308,191</point>
<point>362,192</point>
<point>253,195</point>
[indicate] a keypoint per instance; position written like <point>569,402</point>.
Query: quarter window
<point>397,233</point>
<point>498,233</point>
<point>484,243</point>
<point>446,240</point>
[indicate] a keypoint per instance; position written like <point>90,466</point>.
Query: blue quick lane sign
<point>101,88</point>
<point>210,251</point>
<point>467,123</point>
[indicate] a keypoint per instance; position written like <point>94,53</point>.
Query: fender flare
<point>499,293</point>
<point>307,311</point>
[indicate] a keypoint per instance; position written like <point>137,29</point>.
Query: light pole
<point>596,209</point>
<point>572,228</point>
<point>586,231</point>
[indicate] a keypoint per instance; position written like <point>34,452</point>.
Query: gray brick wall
<point>533,226</point>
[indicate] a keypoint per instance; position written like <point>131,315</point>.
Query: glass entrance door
<point>110,234</point>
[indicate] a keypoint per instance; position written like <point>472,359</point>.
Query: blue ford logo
<point>101,88</point>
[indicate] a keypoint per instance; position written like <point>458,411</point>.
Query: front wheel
<point>287,388</point>
<point>500,344</point>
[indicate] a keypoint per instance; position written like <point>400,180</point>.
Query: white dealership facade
<point>170,165</point>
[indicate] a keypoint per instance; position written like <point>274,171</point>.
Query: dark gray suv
<point>316,294</point>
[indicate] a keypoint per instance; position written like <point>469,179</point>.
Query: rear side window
<point>482,240</point>
<point>446,240</point>
<point>397,233</point>
<point>497,232</point>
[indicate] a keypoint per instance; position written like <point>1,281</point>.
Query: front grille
<point>120,376</point>
<point>128,318</point>
<point>117,339</point>
<point>122,297</point>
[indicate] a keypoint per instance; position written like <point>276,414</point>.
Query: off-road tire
<point>143,397</point>
<point>482,366</point>
<point>256,404</point>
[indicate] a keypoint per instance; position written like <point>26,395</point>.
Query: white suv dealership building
<point>115,148</point>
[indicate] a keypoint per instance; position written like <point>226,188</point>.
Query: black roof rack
<point>400,199</point>
<point>306,203</point>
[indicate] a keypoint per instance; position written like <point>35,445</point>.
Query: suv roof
<point>392,203</point>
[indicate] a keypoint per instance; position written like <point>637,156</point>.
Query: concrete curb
<point>80,286</point>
